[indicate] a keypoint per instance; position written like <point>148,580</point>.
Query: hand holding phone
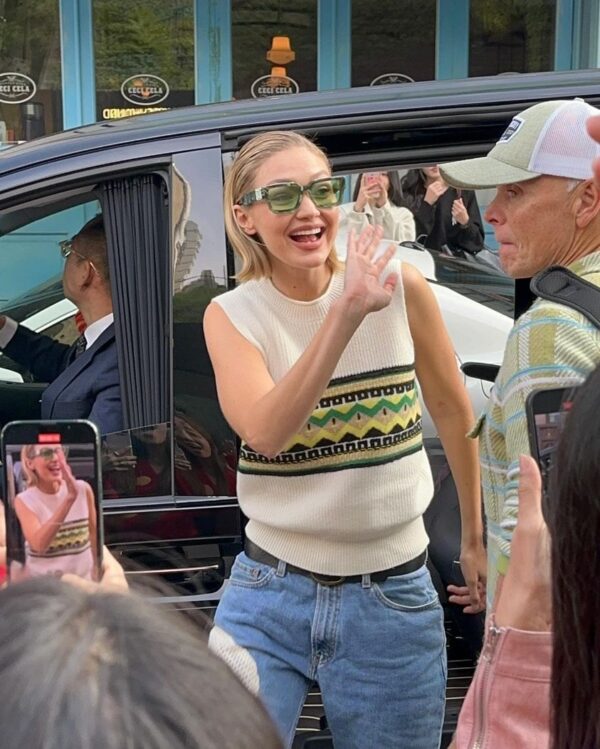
<point>52,503</point>
<point>547,411</point>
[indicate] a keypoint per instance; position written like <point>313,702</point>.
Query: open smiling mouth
<point>308,235</point>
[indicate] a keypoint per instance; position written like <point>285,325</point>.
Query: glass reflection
<point>137,463</point>
<point>205,454</point>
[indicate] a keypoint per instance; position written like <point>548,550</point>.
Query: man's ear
<point>244,220</point>
<point>587,204</point>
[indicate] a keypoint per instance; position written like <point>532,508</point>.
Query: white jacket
<point>398,223</point>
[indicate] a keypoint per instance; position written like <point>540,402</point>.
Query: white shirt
<point>95,330</point>
<point>91,333</point>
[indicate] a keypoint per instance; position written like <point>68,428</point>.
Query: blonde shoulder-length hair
<point>240,180</point>
<point>27,455</point>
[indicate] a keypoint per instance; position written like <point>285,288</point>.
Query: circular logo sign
<point>387,78</point>
<point>144,89</point>
<point>274,85</point>
<point>15,88</point>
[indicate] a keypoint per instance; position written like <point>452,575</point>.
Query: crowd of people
<point>333,583</point>
<point>421,205</point>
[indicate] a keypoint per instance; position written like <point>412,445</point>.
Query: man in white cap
<point>546,212</point>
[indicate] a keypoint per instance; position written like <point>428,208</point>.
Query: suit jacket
<point>87,387</point>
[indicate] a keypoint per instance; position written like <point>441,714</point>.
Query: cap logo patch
<point>511,130</point>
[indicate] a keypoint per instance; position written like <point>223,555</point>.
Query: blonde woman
<point>57,516</point>
<point>316,370</point>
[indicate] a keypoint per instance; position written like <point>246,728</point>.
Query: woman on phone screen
<point>57,516</point>
<point>316,366</point>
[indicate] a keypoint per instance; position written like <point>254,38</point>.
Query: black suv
<point>158,181</point>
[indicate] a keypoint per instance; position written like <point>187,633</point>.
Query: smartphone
<point>52,499</point>
<point>547,411</point>
<point>371,177</point>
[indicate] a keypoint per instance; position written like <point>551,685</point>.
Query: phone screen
<point>52,499</point>
<point>547,411</point>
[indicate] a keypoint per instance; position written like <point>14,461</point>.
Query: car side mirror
<point>480,370</point>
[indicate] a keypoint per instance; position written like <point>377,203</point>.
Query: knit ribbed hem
<point>330,558</point>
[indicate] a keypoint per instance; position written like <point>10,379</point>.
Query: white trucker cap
<point>548,138</point>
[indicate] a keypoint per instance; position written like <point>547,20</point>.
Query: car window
<point>444,257</point>
<point>31,290</point>
<point>205,448</point>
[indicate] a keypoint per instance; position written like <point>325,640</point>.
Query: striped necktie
<point>80,345</point>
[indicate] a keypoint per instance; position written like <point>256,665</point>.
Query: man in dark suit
<point>84,378</point>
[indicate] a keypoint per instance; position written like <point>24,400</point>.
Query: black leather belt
<point>257,554</point>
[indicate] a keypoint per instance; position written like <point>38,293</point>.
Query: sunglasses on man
<point>285,197</point>
<point>66,249</point>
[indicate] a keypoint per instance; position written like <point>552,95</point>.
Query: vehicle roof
<point>239,119</point>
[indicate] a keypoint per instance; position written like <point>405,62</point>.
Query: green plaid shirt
<point>550,346</point>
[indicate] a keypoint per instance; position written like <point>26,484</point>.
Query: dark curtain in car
<point>136,224</point>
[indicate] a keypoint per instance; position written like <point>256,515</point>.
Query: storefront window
<point>30,75</point>
<point>515,36</point>
<point>144,52</point>
<point>274,47</point>
<point>393,42</point>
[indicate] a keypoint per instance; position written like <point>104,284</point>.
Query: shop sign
<point>274,85</point>
<point>144,89</point>
<point>387,78</point>
<point>15,88</point>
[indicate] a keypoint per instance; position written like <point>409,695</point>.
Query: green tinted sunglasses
<point>285,197</point>
<point>48,453</point>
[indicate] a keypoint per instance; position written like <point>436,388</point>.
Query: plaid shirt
<point>550,346</point>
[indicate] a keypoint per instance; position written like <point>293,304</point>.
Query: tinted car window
<point>205,454</point>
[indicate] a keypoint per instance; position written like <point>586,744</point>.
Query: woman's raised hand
<point>364,289</point>
<point>68,477</point>
<point>434,191</point>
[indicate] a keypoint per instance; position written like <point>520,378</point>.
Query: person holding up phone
<point>57,515</point>
<point>444,217</point>
<point>377,201</point>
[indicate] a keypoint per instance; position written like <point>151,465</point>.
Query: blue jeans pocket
<point>409,593</point>
<point>250,574</point>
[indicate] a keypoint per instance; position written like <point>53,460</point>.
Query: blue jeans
<point>376,649</point>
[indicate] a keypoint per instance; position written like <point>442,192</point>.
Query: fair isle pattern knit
<point>361,420</point>
<point>73,537</point>
<point>347,494</point>
<point>550,346</point>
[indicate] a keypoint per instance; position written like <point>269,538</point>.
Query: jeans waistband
<point>257,554</point>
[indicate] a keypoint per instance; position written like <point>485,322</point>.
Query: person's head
<point>108,670</point>
<point>41,464</point>
<point>390,181</point>
<point>413,188</point>
<point>431,173</point>
<point>281,226</point>
<point>573,516</point>
<point>547,207</point>
<point>85,274</point>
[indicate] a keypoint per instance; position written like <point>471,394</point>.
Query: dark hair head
<point>394,189</point>
<point>91,239</point>
<point>107,671</point>
<point>413,189</point>
<point>573,513</point>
